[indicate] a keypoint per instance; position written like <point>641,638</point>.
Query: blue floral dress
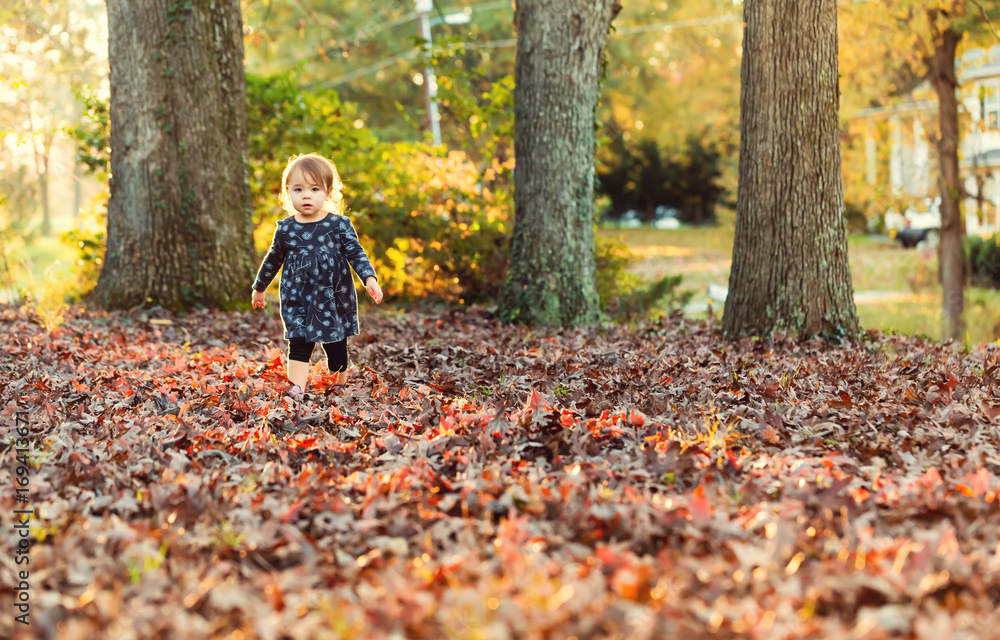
<point>318,301</point>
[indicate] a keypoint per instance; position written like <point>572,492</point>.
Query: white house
<point>980,77</point>
<point>912,164</point>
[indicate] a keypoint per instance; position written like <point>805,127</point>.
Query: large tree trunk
<point>941,69</point>
<point>179,223</point>
<point>557,74</point>
<point>790,272</point>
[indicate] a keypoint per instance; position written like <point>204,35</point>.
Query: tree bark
<point>790,269</point>
<point>942,75</point>
<point>557,74</point>
<point>179,224</point>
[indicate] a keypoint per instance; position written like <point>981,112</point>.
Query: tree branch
<point>905,79</point>
<point>986,19</point>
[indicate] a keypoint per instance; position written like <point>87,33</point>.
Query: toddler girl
<point>314,245</point>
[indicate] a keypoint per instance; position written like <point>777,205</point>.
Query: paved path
<point>718,299</point>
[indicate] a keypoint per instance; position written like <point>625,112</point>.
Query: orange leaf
<point>292,512</point>
<point>606,556</point>
<point>535,401</point>
<point>952,382</point>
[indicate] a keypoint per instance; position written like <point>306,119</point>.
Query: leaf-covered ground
<point>482,481</point>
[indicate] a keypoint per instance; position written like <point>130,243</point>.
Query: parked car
<point>912,236</point>
<point>667,218</point>
<point>630,220</point>
<point>664,217</point>
<point>914,227</point>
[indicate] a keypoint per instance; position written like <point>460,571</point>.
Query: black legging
<point>336,353</point>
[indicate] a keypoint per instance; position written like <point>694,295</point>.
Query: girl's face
<point>307,196</point>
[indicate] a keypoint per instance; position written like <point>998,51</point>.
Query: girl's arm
<point>272,261</point>
<point>355,253</point>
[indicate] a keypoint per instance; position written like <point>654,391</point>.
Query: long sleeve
<point>272,261</point>
<point>355,253</point>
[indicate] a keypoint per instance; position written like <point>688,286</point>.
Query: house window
<point>991,107</point>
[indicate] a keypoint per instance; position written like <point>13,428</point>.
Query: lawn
<point>892,293</point>
<point>44,263</point>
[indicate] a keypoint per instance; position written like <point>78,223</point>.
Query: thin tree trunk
<point>42,171</point>
<point>77,196</point>
<point>557,76</point>
<point>790,271</point>
<point>179,224</point>
<point>941,65</point>
<point>43,183</point>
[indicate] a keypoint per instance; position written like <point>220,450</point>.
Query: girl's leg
<point>298,373</point>
<point>299,352</point>
<point>336,359</point>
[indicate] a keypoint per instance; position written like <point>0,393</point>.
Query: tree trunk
<point>42,169</point>
<point>179,224</point>
<point>557,76</point>
<point>790,271</point>
<point>77,197</point>
<point>43,185</point>
<point>941,68</point>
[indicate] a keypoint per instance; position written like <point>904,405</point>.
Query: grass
<point>883,265</point>
<point>43,259</point>
<point>893,291</point>
<point>701,238</point>
<point>45,262</point>
<point>702,254</point>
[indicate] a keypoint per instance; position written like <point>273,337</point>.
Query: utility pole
<point>424,7</point>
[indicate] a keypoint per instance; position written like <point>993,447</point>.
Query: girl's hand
<point>258,299</point>
<point>375,291</point>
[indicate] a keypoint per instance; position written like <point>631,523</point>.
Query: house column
<point>895,156</point>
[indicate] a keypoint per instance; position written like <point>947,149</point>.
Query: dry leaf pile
<point>482,481</point>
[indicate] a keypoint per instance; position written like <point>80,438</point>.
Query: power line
<point>363,71</point>
<point>491,44</point>
<point>489,6</point>
<point>510,42</point>
<point>679,24</point>
<point>372,27</point>
<point>482,6</point>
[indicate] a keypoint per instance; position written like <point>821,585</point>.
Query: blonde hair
<point>318,170</point>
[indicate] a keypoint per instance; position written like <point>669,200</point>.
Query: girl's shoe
<point>295,392</point>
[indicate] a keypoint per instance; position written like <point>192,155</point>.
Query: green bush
<point>624,294</point>
<point>983,259</point>
<point>857,219</point>
<point>93,135</point>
